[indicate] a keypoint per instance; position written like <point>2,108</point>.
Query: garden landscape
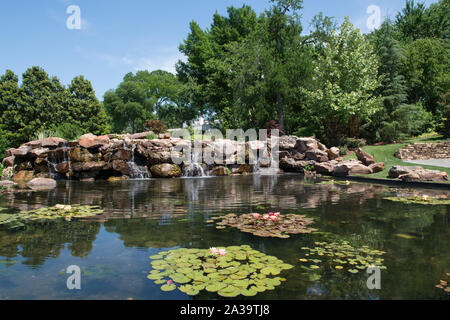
<point>281,155</point>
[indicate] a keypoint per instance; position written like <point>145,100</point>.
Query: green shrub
<point>68,131</point>
<point>157,126</point>
<point>389,132</point>
<point>343,150</point>
<point>354,143</point>
<point>152,136</point>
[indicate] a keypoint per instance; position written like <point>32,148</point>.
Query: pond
<point>143,218</point>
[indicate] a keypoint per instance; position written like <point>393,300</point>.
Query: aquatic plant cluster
<point>341,256</point>
<point>51,213</point>
<point>267,225</point>
<point>230,271</point>
<point>421,200</point>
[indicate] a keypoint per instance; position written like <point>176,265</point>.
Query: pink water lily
<point>273,218</point>
<point>169,282</point>
<point>277,214</point>
<point>256,215</point>
<point>222,252</point>
<point>213,251</point>
<point>271,214</point>
<point>266,217</point>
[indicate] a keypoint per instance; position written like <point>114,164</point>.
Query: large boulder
<point>377,167</point>
<point>290,165</point>
<point>165,170</point>
<point>20,152</point>
<point>121,166</point>
<point>424,175</point>
<point>80,155</point>
<point>88,166</point>
<point>326,168</point>
<point>53,142</point>
<point>92,141</point>
<point>397,171</point>
<point>306,144</point>
<point>140,136</point>
<point>39,152</point>
<point>41,184</point>
<point>333,153</point>
<point>122,154</point>
<point>219,171</point>
<point>7,184</point>
<point>8,162</point>
<point>351,167</point>
<point>317,155</point>
<point>364,157</point>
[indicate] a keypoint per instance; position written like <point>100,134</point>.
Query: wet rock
<point>41,165</point>
<point>20,152</point>
<point>351,167</point>
<point>364,157</point>
<point>377,167</point>
<point>80,155</point>
<point>245,168</point>
<point>92,141</point>
<point>58,154</point>
<point>38,152</point>
<point>41,184</point>
<point>122,154</point>
<point>317,155</point>
<point>8,162</point>
<point>219,171</point>
<point>118,179</point>
<point>7,184</point>
<point>397,171</point>
<point>63,167</point>
<point>326,168</point>
<point>159,157</point>
<point>165,170</point>
<point>7,173</point>
<point>88,166</point>
<point>290,165</point>
<point>23,176</point>
<point>26,165</point>
<point>333,153</point>
<point>121,166</point>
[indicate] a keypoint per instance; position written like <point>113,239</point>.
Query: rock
<point>122,154</point>
<point>8,162</point>
<point>87,180</point>
<point>287,142</point>
<point>41,184</point>
<point>159,157</point>
<point>306,144</point>
<point>351,167</point>
<point>38,152</point>
<point>164,135</point>
<point>140,136</point>
<point>34,144</point>
<point>88,166</point>
<point>219,171</point>
<point>364,157</point>
<point>317,155</point>
<point>397,171</point>
<point>118,179</point>
<point>53,142</point>
<point>58,154</point>
<point>23,176</point>
<point>326,168</point>
<point>80,155</point>
<point>290,165</point>
<point>26,165</point>
<point>245,168</point>
<point>333,153</point>
<point>41,165</point>
<point>121,166</point>
<point>165,170</point>
<point>7,173</point>
<point>377,167</point>
<point>63,167</point>
<point>424,175</point>
<point>7,184</point>
<point>92,141</point>
<point>20,152</point>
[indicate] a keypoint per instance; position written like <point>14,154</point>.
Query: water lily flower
<point>169,282</point>
<point>273,218</point>
<point>222,252</point>
<point>277,214</point>
<point>266,217</point>
<point>60,206</point>
<point>256,215</point>
<point>213,251</point>
<point>271,214</point>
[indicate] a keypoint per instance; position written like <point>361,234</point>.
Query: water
<point>144,217</point>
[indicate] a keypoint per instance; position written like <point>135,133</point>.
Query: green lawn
<point>385,153</point>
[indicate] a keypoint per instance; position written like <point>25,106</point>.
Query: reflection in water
<point>142,217</point>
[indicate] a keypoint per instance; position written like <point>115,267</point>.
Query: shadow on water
<point>144,217</point>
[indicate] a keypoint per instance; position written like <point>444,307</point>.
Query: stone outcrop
<point>364,157</point>
<point>417,174</point>
<point>425,151</point>
<point>41,184</point>
<point>135,156</point>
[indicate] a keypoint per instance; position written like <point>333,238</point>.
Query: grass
<point>385,153</point>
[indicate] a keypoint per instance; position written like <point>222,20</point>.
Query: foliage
<point>346,80</point>
<point>67,131</point>
<point>157,126</point>
<point>231,271</point>
<point>427,200</point>
<point>270,225</point>
<point>152,136</point>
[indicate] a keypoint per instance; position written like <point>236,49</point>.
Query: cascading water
<point>137,172</point>
<point>194,167</point>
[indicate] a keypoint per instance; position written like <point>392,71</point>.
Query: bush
<point>413,120</point>
<point>4,144</point>
<point>343,150</point>
<point>353,143</point>
<point>68,131</point>
<point>157,126</point>
<point>152,136</point>
<point>390,131</point>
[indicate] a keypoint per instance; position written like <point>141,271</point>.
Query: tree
<point>345,78</point>
<point>411,21</point>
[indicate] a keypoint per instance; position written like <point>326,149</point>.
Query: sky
<point>118,37</point>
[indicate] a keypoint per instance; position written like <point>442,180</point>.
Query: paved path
<point>432,162</point>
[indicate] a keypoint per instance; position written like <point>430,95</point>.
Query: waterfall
<point>194,167</point>
<point>137,172</point>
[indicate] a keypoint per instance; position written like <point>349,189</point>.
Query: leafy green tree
<point>345,78</point>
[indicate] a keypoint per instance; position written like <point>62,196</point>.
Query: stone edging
<point>425,151</point>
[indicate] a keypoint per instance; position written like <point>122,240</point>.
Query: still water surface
<point>144,217</point>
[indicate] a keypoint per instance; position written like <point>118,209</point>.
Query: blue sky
<point>118,37</point>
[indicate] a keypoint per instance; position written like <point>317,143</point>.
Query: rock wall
<point>425,151</point>
<point>114,157</point>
